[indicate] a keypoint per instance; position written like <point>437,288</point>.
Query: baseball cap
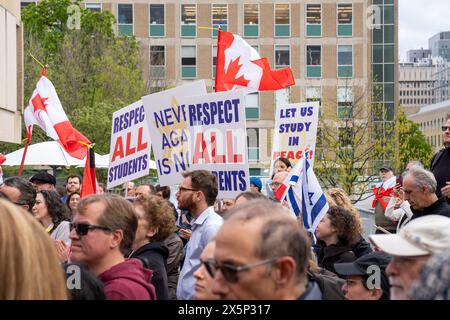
<point>387,168</point>
<point>423,236</point>
<point>43,177</point>
<point>360,266</point>
<point>257,182</point>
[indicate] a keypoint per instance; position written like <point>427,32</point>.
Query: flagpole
<point>24,154</point>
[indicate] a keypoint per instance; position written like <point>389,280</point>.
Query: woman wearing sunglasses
<point>53,215</point>
<point>203,280</point>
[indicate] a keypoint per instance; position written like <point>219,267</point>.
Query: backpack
<point>330,285</point>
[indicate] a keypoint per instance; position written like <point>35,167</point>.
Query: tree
<point>353,142</point>
<point>94,72</point>
<point>412,142</point>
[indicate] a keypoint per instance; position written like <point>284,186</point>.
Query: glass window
<point>156,14</point>
<point>251,13</point>
<point>282,96</point>
<point>214,61</point>
<point>219,16</point>
<point>345,102</point>
<point>125,13</point>
<point>253,144</point>
<point>252,106</point>
<point>314,14</point>
<point>188,14</point>
<point>282,56</point>
<point>345,137</point>
<point>94,6</point>
<point>345,13</point>
<point>188,56</point>
<point>157,62</point>
<point>345,56</point>
<point>282,13</point>
<point>313,55</point>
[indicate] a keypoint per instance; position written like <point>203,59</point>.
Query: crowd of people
<point>141,245</point>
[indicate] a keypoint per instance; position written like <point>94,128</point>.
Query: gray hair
<point>422,178</point>
<point>415,163</point>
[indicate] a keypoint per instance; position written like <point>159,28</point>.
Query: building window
<point>252,106</point>
<point>345,61</point>
<point>219,17</point>
<point>313,61</point>
<point>282,57</point>
<point>214,61</point>
<point>314,94</point>
<point>282,20</point>
<point>188,62</point>
<point>188,20</point>
<point>313,20</point>
<point>251,20</point>
<point>345,20</point>
<point>125,19</point>
<point>23,4</point>
<point>253,144</point>
<point>345,102</point>
<point>157,20</point>
<point>94,6</point>
<point>282,97</point>
<point>157,62</point>
<point>345,138</point>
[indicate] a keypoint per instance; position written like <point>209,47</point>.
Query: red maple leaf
<point>39,103</point>
<point>230,75</point>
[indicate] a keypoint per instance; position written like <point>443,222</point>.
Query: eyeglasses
<point>445,128</point>
<point>230,272</point>
<point>82,229</point>
<point>181,189</point>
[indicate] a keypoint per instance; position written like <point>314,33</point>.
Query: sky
<point>419,20</point>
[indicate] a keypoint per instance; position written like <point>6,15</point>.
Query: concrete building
<point>417,55</point>
<point>416,86</point>
<point>430,119</point>
<point>439,44</point>
<point>11,72</point>
<point>336,49</point>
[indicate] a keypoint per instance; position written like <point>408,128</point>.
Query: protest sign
<point>295,131</point>
<point>218,139</point>
<point>168,129</point>
<point>129,155</point>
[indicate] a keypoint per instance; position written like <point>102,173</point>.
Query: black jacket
<point>361,248</point>
<point>440,166</point>
<point>327,256</point>
<point>440,207</point>
<point>329,283</point>
<point>154,257</point>
<point>176,253</point>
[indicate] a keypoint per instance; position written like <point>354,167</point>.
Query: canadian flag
<point>45,110</point>
<point>239,66</point>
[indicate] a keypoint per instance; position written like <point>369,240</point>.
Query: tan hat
<point>421,237</point>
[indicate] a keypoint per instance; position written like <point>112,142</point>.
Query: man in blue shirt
<point>197,194</point>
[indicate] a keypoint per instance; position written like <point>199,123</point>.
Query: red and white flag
<point>239,66</point>
<point>45,110</point>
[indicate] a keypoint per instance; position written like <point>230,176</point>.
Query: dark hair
<point>119,214</point>
<point>345,224</point>
<point>27,192</point>
<point>57,211</point>
<point>158,214</point>
<point>74,176</point>
<point>285,161</point>
<point>90,287</point>
<point>206,182</point>
<point>164,190</point>
<point>62,191</point>
<point>68,199</point>
<point>280,233</point>
<point>151,187</point>
<point>249,195</point>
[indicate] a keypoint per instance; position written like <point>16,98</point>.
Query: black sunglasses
<point>445,128</point>
<point>230,272</point>
<point>82,229</point>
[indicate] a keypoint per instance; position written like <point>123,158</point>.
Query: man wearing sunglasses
<point>261,253</point>
<point>102,232</point>
<point>197,194</point>
<point>440,164</point>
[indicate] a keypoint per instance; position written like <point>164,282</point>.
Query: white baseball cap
<point>423,236</point>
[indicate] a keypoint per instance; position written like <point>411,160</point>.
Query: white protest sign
<point>295,131</point>
<point>168,129</point>
<point>218,139</point>
<point>129,156</point>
